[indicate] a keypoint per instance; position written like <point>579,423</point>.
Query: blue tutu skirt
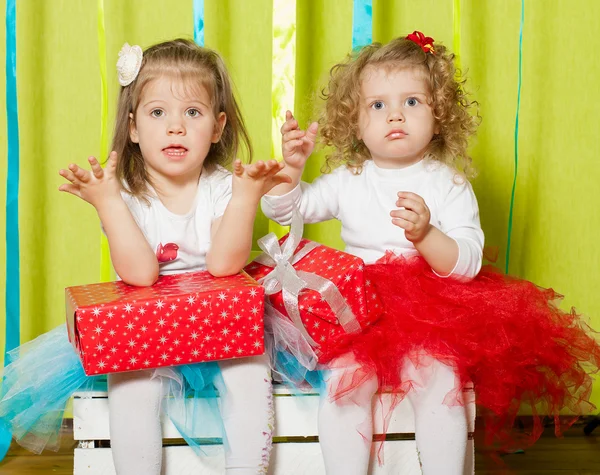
<point>43,374</point>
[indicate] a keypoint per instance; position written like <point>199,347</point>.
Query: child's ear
<point>219,126</point>
<point>133,132</point>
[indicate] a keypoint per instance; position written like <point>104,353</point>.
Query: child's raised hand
<point>258,178</point>
<point>94,186</point>
<point>414,218</point>
<point>297,144</point>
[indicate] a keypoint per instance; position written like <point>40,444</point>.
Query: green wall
<point>556,220</point>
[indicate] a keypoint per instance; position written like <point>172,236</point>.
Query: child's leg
<point>440,429</point>
<point>134,417</point>
<point>346,429</point>
<point>248,415</point>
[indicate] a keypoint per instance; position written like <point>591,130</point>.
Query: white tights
<point>134,401</point>
<point>440,429</point>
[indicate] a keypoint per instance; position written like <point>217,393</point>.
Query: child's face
<point>395,120</point>
<point>175,129</point>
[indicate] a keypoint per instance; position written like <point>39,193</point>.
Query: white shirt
<point>363,203</point>
<point>185,238</point>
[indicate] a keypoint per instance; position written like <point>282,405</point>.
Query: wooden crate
<point>296,450</point>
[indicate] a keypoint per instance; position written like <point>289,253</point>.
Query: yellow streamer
<point>456,32</point>
<point>284,62</point>
<point>106,272</point>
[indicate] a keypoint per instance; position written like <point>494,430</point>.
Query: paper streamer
<point>362,23</point>
<point>106,271</point>
<point>199,22</point>
<point>456,33</point>
<point>514,186</point>
<point>13,289</point>
<point>283,83</point>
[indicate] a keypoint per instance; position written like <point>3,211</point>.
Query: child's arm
<point>231,234</point>
<point>457,248</point>
<point>296,145</point>
<point>317,201</point>
<point>131,255</point>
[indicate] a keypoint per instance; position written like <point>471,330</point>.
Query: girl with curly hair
<point>398,121</point>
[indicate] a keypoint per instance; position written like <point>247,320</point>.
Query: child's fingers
<point>273,167</point>
<point>293,135</point>
<point>68,175</point>
<point>406,215</point>
<point>411,196</point>
<point>311,132</point>
<point>80,173</point>
<point>292,145</point>
<point>256,169</point>
<point>111,164</point>
<point>238,168</point>
<point>402,223</point>
<point>276,169</point>
<point>70,188</point>
<point>96,168</point>
<point>289,124</point>
<point>418,207</point>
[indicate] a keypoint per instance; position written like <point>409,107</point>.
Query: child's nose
<point>395,115</point>
<point>176,128</point>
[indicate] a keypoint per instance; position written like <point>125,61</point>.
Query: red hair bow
<point>425,42</point>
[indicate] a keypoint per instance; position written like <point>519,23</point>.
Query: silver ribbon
<point>291,282</point>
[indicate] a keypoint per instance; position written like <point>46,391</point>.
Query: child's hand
<point>258,178</point>
<point>95,186</point>
<point>414,218</point>
<point>297,144</point>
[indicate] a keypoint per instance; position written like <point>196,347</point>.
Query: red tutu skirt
<point>504,335</point>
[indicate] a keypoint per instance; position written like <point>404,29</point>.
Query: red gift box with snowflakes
<point>181,319</point>
<point>343,270</point>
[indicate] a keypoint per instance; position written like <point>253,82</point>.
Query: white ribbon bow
<point>291,282</point>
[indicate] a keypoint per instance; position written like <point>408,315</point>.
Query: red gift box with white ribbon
<point>321,290</point>
<point>182,319</point>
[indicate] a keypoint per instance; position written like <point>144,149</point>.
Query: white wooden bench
<point>296,450</point>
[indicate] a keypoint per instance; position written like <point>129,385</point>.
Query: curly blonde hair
<point>195,67</point>
<point>450,106</point>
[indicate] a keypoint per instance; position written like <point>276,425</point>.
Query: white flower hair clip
<point>129,63</point>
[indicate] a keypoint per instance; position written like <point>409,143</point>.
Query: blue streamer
<point>199,22</point>
<point>362,23</point>
<point>514,186</point>
<point>12,331</point>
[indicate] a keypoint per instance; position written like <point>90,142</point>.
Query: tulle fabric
<point>44,373</point>
<point>293,361</point>
<point>504,335</point>
<point>191,403</point>
<point>38,381</point>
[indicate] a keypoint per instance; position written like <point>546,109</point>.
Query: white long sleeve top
<point>362,202</point>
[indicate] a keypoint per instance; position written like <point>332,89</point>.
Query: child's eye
<point>193,113</point>
<point>378,105</point>
<point>156,113</point>
<point>411,102</point>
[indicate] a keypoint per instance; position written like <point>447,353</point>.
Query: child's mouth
<point>175,151</point>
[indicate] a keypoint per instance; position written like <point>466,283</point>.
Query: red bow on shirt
<point>167,253</point>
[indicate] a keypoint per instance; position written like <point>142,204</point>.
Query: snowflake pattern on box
<point>346,273</point>
<point>182,319</point>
